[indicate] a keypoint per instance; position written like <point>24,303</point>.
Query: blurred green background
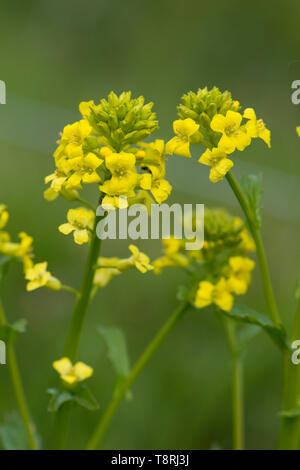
<point>56,54</point>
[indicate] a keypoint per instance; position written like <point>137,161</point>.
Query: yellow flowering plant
<point>223,128</point>
<point>106,148</point>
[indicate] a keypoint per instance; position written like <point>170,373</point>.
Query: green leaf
<point>252,186</point>
<point>12,433</point>
<point>246,334</point>
<point>293,413</point>
<point>80,395</point>
<point>58,398</point>
<point>242,313</point>
<point>10,333</point>
<point>117,349</point>
<point>117,354</point>
<point>84,397</point>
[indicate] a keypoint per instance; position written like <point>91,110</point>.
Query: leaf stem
<point>290,427</point>
<point>137,369</point>
<point>261,256</point>
<point>237,385</point>
<point>18,388</point>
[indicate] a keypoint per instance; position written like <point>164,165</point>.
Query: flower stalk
<point>18,388</point>
<point>261,256</point>
<point>238,438</point>
<point>290,426</point>
<point>141,363</point>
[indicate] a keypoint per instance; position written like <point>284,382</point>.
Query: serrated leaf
<point>252,186</point>
<point>84,397</point>
<point>12,433</point>
<point>246,314</point>
<point>117,354</point>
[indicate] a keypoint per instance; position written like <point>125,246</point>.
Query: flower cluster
<point>221,269</point>
<point>106,148</point>
<point>36,274</point>
<point>108,268</point>
<point>213,119</point>
<point>71,374</point>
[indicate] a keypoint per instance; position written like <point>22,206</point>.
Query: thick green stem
<point>137,369</point>
<point>260,251</point>
<point>60,430</point>
<point>18,388</point>
<point>237,386</point>
<point>290,427</point>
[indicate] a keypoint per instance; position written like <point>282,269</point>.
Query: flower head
<point>219,163</point>
<point>184,130</point>
<point>234,136</point>
<point>80,221</point>
<point>218,294</point>
<point>256,127</point>
<point>72,374</point>
<point>239,274</point>
<point>38,276</point>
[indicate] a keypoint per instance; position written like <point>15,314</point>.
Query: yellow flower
<point>4,216</point>
<point>84,170</point>
<point>180,144</point>
<point>247,244</point>
<point>18,250</point>
<point>175,260</point>
<point>72,139</point>
<point>256,128</point>
<point>140,260</point>
<point>38,276</point>
<point>233,135</point>
<point>115,202</point>
<point>240,274</point>
<point>72,374</point>
<point>298,130</point>
<point>217,294</point>
<point>219,163</point>
<point>105,151</point>
<point>58,179</point>
<point>80,221</point>
<point>124,177</point>
<point>106,272</point>
<point>155,182</point>
<point>172,245</point>
<point>85,108</point>
<point>153,153</point>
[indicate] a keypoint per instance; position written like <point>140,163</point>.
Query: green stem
<point>137,369</point>
<point>260,251</point>
<point>290,427</point>
<point>237,385</point>
<point>74,334</point>
<point>18,388</point>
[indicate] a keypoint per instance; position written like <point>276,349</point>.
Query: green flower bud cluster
<point>123,121</point>
<point>221,230</point>
<point>202,107</point>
